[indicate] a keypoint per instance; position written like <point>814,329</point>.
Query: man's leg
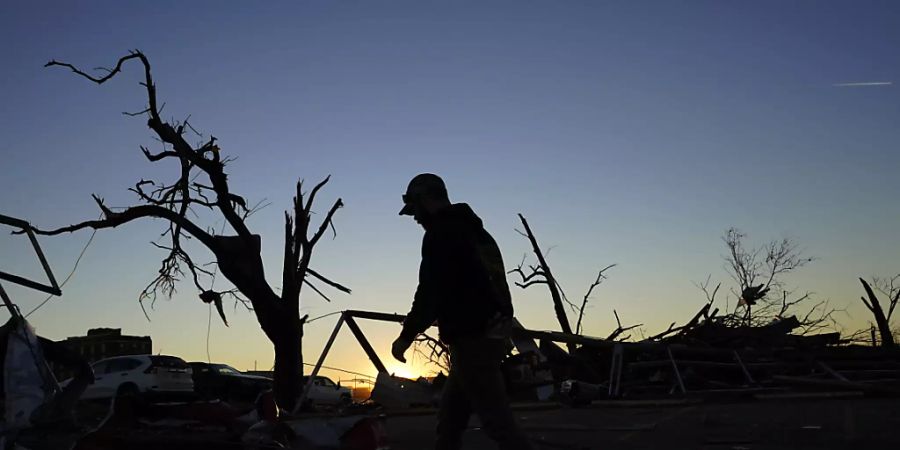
<point>453,416</point>
<point>478,370</point>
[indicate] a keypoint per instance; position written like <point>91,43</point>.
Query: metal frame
<point>616,367</point>
<point>615,371</point>
<point>53,287</point>
<point>747,376</point>
<point>349,317</point>
<point>617,349</point>
<point>675,369</point>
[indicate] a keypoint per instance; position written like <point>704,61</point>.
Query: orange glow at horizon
<point>403,370</point>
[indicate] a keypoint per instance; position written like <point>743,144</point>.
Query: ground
<point>833,423</point>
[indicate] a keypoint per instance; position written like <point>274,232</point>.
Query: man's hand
<point>398,348</point>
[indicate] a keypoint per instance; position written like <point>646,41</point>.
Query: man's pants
<point>475,384</point>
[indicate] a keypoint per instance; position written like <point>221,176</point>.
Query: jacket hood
<point>461,214</point>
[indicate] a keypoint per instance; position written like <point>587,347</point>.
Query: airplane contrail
<point>864,84</point>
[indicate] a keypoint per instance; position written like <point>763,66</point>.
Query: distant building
<point>105,343</point>
<point>108,342</point>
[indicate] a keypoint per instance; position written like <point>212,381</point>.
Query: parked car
<point>227,383</point>
<point>326,392</point>
<point>146,375</point>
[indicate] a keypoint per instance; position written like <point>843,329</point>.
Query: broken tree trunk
<point>288,370</point>
<point>278,317</point>
<point>881,320</point>
<point>550,280</point>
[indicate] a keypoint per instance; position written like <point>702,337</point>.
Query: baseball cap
<point>427,184</point>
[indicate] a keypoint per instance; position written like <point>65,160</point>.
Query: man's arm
<point>424,308</point>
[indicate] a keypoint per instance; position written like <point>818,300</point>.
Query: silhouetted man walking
<point>462,285</point>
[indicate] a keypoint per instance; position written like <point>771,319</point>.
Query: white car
<point>325,392</point>
<point>149,375</point>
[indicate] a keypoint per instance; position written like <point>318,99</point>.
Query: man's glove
<point>398,348</point>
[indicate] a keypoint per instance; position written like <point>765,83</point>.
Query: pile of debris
<point>710,358</point>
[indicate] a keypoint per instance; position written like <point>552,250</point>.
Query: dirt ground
<point>837,423</point>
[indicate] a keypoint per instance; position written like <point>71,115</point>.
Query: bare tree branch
<point>436,352</point>
<point>314,288</point>
<point>326,223</point>
<point>113,219</point>
<point>312,194</point>
<point>525,278</point>
<point>547,278</point>
<point>327,281</point>
<point>620,329</point>
<point>601,275</point>
<point>532,282</point>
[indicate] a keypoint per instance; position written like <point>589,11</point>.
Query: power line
<point>323,316</point>
<point>343,370</point>
<point>77,260</point>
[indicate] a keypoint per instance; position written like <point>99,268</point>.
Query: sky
<point>627,132</point>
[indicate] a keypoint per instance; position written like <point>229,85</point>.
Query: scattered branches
<point>620,329</point>
<point>701,315</point>
<point>710,295</point>
<point>433,350</point>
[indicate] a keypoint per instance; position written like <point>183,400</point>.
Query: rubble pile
<point>715,359</point>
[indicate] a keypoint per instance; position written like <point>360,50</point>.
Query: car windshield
<point>225,369</point>
<point>171,362</point>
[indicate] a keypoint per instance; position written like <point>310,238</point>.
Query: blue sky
<point>627,132</point>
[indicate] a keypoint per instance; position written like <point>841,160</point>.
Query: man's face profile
<point>415,202</point>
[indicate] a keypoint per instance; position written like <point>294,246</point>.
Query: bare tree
<point>203,183</point>
<point>759,274</point>
<point>889,287</point>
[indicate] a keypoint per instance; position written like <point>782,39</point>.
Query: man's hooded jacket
<point>462,279</point>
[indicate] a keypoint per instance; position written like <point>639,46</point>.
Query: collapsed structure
<point>705,358</point>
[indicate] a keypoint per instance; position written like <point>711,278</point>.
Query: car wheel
<point>128,399</point>
<point>206,394</point>
<point>234,392</point>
